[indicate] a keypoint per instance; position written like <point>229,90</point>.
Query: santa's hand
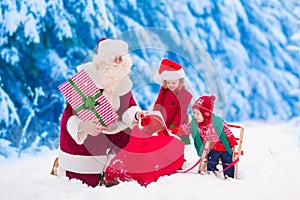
<point>91,127</point>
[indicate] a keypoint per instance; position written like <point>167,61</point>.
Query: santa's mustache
<point>112,74</point>
<point>116,65</point>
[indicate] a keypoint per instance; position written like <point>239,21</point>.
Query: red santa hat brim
<point>111,46</point>
<point>168,70</point>
<point>169,75</point>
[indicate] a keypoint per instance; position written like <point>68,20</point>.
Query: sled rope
<point>193,166</point>
<point>229,166</point>
<point>233,126</point>
<point>164,125</point>
<point>225,169</point>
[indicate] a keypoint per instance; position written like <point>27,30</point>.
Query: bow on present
<point>89,102</point>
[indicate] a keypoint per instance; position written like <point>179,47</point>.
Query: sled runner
<point>238,132</point>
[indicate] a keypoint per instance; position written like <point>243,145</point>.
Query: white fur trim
<point>79,137</point>
<point>91,70</point>
<point>124,86</point>
<point>110,46</point>
<point>129,115</point>
<point>115,102</point>
<point>115,128</point>
<point>169,75</point>
<point>72,127</point>
<point>128,118</point>
<point>82,164</point>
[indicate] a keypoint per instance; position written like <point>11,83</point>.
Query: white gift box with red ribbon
<point>87,99</point>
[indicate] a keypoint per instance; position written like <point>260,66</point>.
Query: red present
<point>87,100</point>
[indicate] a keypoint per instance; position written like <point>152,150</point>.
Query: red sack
<point>147,157</point>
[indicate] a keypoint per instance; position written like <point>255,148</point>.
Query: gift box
<point>87,99</point>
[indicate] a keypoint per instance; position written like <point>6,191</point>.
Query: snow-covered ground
<point>269,169</point>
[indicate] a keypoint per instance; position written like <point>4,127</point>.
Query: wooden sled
<point>238,132</point>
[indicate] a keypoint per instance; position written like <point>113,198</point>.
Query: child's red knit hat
<point>205,104</point>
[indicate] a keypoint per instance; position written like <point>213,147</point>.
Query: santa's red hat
<point>112,46</point>
<point>168,70</point>
<point>205,104</point>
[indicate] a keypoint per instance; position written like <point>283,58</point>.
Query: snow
<point>253,46</point>
<point>268,170</point>
<point>10,55</point>
<point>63,29</point>
<point>8,111</point>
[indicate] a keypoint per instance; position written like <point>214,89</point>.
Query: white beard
<point>112,74</point>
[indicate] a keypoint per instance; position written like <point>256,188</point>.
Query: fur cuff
<point>128,116</point>
<point>72,127</point>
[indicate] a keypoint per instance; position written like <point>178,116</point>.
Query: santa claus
<point>86,147</point>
